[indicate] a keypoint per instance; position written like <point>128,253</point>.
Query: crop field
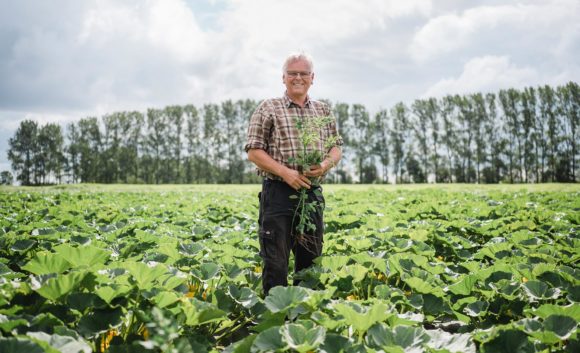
<point>458,268</point>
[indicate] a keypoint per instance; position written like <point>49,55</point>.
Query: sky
<point>63,60</point>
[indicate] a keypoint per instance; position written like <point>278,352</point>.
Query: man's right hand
<point>295,179</point>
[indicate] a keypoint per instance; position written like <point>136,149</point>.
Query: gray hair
<point>297,57</point>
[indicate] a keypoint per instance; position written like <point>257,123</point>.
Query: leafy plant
<point>402,270</point>
<point>310,154</point>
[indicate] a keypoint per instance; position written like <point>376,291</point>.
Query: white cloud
<point>513,24</point>
<point>165,25</point>
<point>485,74</point>
<point>126,55</point>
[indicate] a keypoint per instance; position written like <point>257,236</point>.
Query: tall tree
<point>23,148</point>
<point>426,130</point>
<point>156,146</point>
<point>193,142</point>
<point>6,178</point>
<point>449,135</point>
<point>381,142</point>
<point>509,102</point>
<point>73,153</point>
<point>212,148</point>
<point>90,149</point>
<point>548,111</point>
<point>419,126</point>
<point>481,116</point>
<point>344,126</point>
<point>229,117</point>
<point>111,140</point>
<point>400,139</point>
<point>467,120</point>
<point>50,158</point>
<point>496,142</point>
<point>361,137</point>
<point>528,111</point>
<point>569,103</point>
<point>130,124</point>
<point>245,110</point>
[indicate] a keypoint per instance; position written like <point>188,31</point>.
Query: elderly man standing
<point>273,146</point>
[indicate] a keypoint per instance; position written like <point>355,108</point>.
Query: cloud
<point>485,74</point>
<point>255,36</point>
<point>506,26</point>
<point>120,54</point>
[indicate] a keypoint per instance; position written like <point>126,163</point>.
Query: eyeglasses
<point>294,74</point>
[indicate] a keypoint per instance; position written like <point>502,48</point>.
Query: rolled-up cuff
<point>254,145</point>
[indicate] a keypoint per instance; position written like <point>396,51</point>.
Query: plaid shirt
<point>272,129</point>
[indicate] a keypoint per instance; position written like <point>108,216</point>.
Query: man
<point>273,144</point>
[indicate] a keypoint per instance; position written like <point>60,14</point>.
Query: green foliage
<point>312,152</point>
<point>435,270</point>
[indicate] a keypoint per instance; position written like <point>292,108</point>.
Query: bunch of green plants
<point>310,136</point>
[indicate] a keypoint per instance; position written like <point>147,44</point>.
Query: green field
<point>173,268</point>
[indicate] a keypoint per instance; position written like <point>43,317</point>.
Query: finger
<point>304,183</point>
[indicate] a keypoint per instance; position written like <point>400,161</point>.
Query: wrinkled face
<point>298,78</point>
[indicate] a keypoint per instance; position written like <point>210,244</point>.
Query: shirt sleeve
<point>259,129</point>
<point>332,130</point>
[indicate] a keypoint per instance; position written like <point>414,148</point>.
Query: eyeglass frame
<point>301,74</point>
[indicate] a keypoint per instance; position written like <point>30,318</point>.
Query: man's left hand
<point>317,170</point>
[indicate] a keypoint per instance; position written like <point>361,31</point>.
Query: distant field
<point>330,187</point>
<point>409,268</point>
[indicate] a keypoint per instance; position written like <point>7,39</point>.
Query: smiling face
<point>298,79</point>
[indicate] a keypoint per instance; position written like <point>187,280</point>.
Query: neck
<point>300,100</point>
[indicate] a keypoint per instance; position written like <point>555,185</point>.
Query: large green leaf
<point>420,286</point>
<point>23,245</point>
<point>242,346</point>
<point>361,317</point>
<point>477,308</point>
<point>64,344</point>
<point>112,291</point>
<point>82,256</point>
<point>165,298</point>
<point>59,286</point>
<point>546,310</point>
<point>303,336</point>
<point>464,286</point>
<point>538,290</point>
<point>206,271</point>
<point>243,296</point>
<point>282,299</point>
<point>199,313</point>
<point>7,324</point>
<point>146,276</point>
<point>99,321</point>
<point>356,271</point>
<point>46,262</point>
<point>508,341</point>
<point>82,301</point>
<point>334,262</point>
<point>562,326</point>
<point>335,343</point>
<point>453,343</point>
<point>269,340</point>
<point>20,345</point>
<point>406,337</point>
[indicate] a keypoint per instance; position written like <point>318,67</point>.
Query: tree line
<point>514,136</point>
